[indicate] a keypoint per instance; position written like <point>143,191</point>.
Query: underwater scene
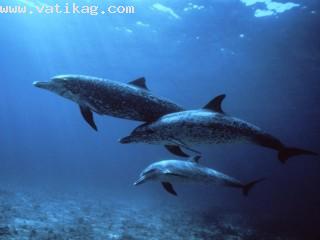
<point>160,119</point>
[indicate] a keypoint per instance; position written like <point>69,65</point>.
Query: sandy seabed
<point>30,215</point>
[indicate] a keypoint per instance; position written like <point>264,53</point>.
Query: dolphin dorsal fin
<point>215,104</point>
<point>140,82</point>
<point>195,159</point>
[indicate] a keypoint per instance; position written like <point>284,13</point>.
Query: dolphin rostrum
<point>209,125</point>
<point>130,100</point>
<point>170,171</point>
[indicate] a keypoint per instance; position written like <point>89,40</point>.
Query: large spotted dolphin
<point>171,171</point>
<point>209,125</point>
<point>130,100</point>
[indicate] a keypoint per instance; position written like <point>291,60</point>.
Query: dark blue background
<point>271,78</point>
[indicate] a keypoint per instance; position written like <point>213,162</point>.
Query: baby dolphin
<point>130,100</point>
<point>169,171</point>
<point>209,125</point>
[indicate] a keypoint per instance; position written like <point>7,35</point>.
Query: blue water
<point>267,66</point>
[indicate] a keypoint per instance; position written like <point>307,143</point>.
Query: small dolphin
<point>168,171</point>
<point>209,125</point>
<point>130,100</point>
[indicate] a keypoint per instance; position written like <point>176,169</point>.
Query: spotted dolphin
<point>130,100</point>
<point>171,171</point>
<point>209,125</point>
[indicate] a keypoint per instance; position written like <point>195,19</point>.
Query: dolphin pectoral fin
<point>176,150</point>
<point>182,144</point>
<point>192,150</point>
<point>88,116</point>
<point>195,159</point>
<point>140,82</point>
<point>169,188</point>
<point>215,104</point>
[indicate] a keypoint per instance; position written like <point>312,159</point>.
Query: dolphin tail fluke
<point>247,187</point>
<point>285,153</point>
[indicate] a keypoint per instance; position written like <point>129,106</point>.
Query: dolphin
<point>130,100</point>
<point>169,171</point>
<point>209,125</point>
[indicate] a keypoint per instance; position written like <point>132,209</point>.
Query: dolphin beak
<point>44,85</point>
<point>125,140</point>
<point>140,181</point>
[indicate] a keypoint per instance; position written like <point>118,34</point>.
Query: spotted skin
<point>195,127</point>
<point>172,171</point>
<point>107,97</point>
<point>187,171</point>
<point>207,126</point>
